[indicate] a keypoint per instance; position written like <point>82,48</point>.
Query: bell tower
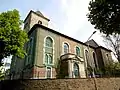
<point>35,18</point>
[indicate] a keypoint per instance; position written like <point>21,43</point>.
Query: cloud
<point>76,23</point>
<point>53,25</point>
<point>75,11</point>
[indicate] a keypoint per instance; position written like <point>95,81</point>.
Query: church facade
<point>51,54</point>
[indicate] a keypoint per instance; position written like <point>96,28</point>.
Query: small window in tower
<point>107,56</point>
<point>39,22</point>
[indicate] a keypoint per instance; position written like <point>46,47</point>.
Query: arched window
<point>94,60</point>
<point>78,51</point>
<point>48,42</point>
<point>39,22</point>
<point>76,70</point>
<point>66,48</point>
<point>48,51</point>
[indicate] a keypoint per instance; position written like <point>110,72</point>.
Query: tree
<point>113,42</point>
<point>12,37</point>
<point>2,74</point>
<point>105,15</point>
<point>112,69</point>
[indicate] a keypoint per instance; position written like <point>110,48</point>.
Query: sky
<point>66,16</point>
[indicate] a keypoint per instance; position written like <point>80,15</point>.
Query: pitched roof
<point>95,45</point>
<point>92,43</point>
<point>53,31</point>
<point>37,13</point>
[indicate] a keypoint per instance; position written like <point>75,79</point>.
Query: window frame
<point>44,52</point>
<point>51,40</point>
<point>47,62</point>
<point>39,22</point>
<point>67,49</point>
<point>76,50</point>
<point>47,73</point>
<point>76,69</point>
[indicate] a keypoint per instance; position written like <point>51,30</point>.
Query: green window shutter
<point>78,51</point>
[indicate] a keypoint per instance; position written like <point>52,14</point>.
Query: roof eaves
<point>27,16</point>
<point>51,30</point>
<point>36,14</point>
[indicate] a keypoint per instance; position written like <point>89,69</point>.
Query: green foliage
<point>105,15</point>
<point>2,74</point>
<point>12,37</point>
<point>112,69</point>
<point>98,71</point>
<point>90,69</point>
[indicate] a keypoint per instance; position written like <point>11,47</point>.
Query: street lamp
<point>89,58</point>
<point>91,35</point>
<point>88,49</point>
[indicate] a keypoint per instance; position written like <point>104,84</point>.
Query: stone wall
<point>62,84</point>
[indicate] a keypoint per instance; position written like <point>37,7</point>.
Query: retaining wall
<point>62,84</point>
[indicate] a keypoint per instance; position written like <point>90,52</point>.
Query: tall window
<point>76,70</point>
<point>48,51</point>
<point>29,51</point>
<point>78,51</point>
<point>94,60</point>
<point>66,48</point>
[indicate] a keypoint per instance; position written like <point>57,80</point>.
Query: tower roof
<point>37,13</point>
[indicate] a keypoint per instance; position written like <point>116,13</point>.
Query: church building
<point>51,54</point>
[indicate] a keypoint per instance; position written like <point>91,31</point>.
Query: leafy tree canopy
<point>105,15</point>
<point>12,37</point>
